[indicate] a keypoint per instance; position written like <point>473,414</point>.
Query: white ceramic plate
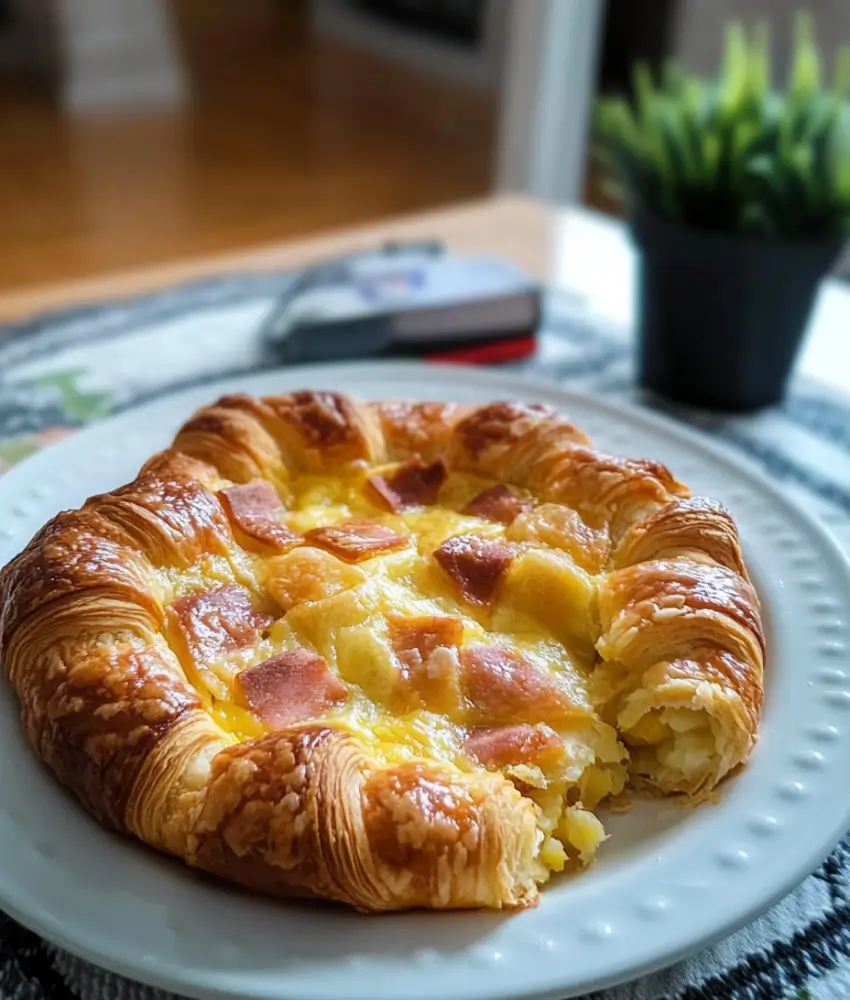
<point>668,882</point>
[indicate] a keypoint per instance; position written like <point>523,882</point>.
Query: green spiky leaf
<point>805,72</point>
<point>841,80</point>
<point>735,72</point>
<point>759,65</point>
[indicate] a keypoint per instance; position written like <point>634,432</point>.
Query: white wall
<point>549,81</point>
<point>698,35</point>
<point>117,54</point>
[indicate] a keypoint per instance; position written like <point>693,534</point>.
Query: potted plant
<point>739,201</point>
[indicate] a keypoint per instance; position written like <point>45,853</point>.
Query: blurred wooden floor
<point>285,136</point>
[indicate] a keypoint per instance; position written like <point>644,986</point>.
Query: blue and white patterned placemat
<point>62,371</point>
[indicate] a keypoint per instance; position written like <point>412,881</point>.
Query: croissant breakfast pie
<point>391,654</point>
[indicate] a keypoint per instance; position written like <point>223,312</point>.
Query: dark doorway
<point>459,21</point>
<point>634,29</point>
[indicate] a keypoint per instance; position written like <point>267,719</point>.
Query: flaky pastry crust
<point>116,700</point>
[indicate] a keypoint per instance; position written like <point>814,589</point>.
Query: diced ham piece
<point>427,652</point>
<point>218,621</point>
<point>355,542</point>
<point>502,687</point>
<point>503,746</point>
<point>292,687</point>
<point>255,509</point>
<point>499,503</point>
<point>476,565</point>
<point>413,484</point>
<point>414,639</point>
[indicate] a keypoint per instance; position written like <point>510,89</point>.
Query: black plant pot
<point>721,317</point>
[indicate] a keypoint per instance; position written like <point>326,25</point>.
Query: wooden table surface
<point>515,227</point>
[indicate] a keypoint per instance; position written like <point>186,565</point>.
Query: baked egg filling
<point>448,631</point>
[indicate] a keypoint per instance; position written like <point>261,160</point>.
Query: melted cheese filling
<point>545,611</point>
<point>670,745</point>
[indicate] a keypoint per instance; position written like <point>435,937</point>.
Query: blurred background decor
<point>137,134</point>
<point>739,199</point>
